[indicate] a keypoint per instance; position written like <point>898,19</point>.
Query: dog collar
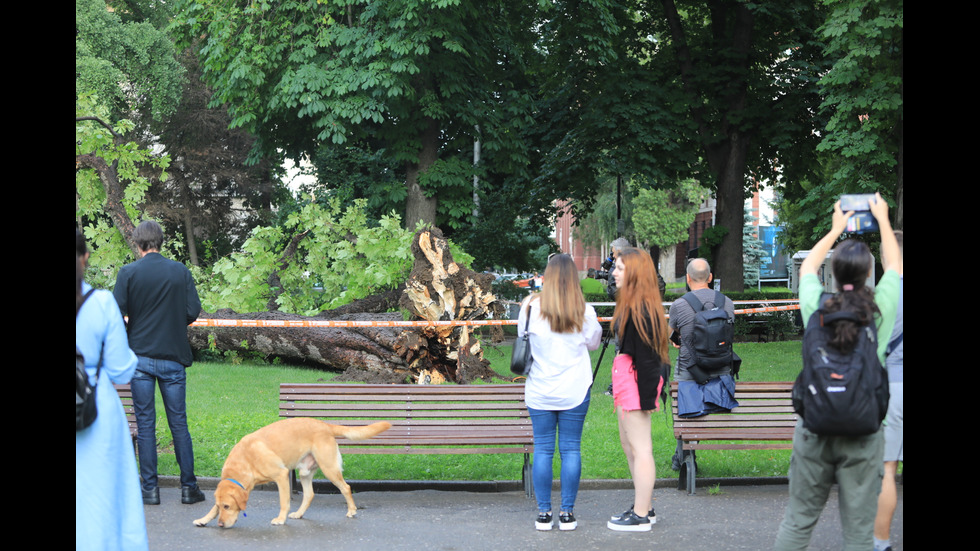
<point>237,483</point>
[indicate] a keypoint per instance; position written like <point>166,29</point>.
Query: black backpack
<point>840,394</point>
<point>711,338</point>
<point>85,410</point>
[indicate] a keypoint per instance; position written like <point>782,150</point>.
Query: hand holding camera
<point>862,212</point>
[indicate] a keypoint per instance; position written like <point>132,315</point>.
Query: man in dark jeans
<point>160,299</point>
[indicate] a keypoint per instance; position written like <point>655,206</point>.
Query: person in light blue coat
<point>108,502</point>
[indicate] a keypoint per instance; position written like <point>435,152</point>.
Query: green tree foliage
<point>320,258</point>
<point>600,226</point>
<point>721,90</point>
<point>507,243</point>
<point>412,78</point>
<point>213,197</point>
<point>747,73</point>
<point>864,92</point>
<point>125,72</point>
<point>110,184</point>
<point>863,140</point>
<point>663,217</point>
<point>129,65</point>
<point>601,115</point>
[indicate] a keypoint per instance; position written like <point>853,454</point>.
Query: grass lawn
<point>226,401</point>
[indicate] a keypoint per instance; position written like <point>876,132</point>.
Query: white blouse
<point>561,373</point>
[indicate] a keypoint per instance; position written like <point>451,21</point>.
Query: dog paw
<point>295,515</point>
<point>201,522</point>
<point>278,521</point>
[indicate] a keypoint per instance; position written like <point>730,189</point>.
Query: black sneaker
<point>543,521</point>
<point>630,522</point>
<point>652,515</point>
<point>625,513</point>
<point>566,521</point>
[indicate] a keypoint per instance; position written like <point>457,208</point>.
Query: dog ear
<point>241,498</point>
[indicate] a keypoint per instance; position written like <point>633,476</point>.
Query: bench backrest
<point>764,408</point>
<point>424,418</point>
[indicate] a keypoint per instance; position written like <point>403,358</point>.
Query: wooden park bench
<point>425,419</point>
<point>126,396</point>
<point>763,420</point>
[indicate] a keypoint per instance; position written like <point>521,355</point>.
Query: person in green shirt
<point>853,462</point>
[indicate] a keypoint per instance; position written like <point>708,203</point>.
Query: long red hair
<point>638,300</point>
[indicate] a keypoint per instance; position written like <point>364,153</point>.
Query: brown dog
<point>270,453</point>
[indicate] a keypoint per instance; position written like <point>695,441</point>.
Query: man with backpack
<point>696,361</point>
<point>703,325</point>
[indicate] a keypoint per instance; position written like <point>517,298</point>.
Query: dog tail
<point>361,433</point>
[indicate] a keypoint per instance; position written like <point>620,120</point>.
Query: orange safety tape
<point>379,323</point>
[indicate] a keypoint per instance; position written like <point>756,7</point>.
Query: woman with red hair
<point>639,373</point>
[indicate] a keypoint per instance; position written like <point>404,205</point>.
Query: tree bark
<point>418,207</point>
<point>189,223</point>
<point>113,193</point>
<point>372,352</point>
<point>725,158</point>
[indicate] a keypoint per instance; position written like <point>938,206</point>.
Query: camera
<point>862,221</point>
<point>607,266</point>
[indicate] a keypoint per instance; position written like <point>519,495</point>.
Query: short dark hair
<point>148,236</point>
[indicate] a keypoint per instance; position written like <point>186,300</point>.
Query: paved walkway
<point>736,517</point>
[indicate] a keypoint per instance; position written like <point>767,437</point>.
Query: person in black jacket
<point>161,300</point>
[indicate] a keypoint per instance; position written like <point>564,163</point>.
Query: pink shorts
<point>626,394</point>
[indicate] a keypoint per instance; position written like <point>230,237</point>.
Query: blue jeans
<point>569,424</point>
<point>173,384</point>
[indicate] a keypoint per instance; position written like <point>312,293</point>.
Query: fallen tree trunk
<point>370,352</point>
<point>437,290</point>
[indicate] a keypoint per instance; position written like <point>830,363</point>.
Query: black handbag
<point>520,357</point>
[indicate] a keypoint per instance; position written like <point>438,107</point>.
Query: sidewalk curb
<point>322,486</point>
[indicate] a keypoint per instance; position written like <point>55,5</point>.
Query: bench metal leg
<point>689,472</point>
<point>526,477</point>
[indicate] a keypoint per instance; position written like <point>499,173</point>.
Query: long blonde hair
<point>638,300</point>
<point>562,302</point>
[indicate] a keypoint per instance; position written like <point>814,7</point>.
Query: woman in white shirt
<point>563,329</point>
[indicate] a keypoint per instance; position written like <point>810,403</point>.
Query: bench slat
<point>423,417</point>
